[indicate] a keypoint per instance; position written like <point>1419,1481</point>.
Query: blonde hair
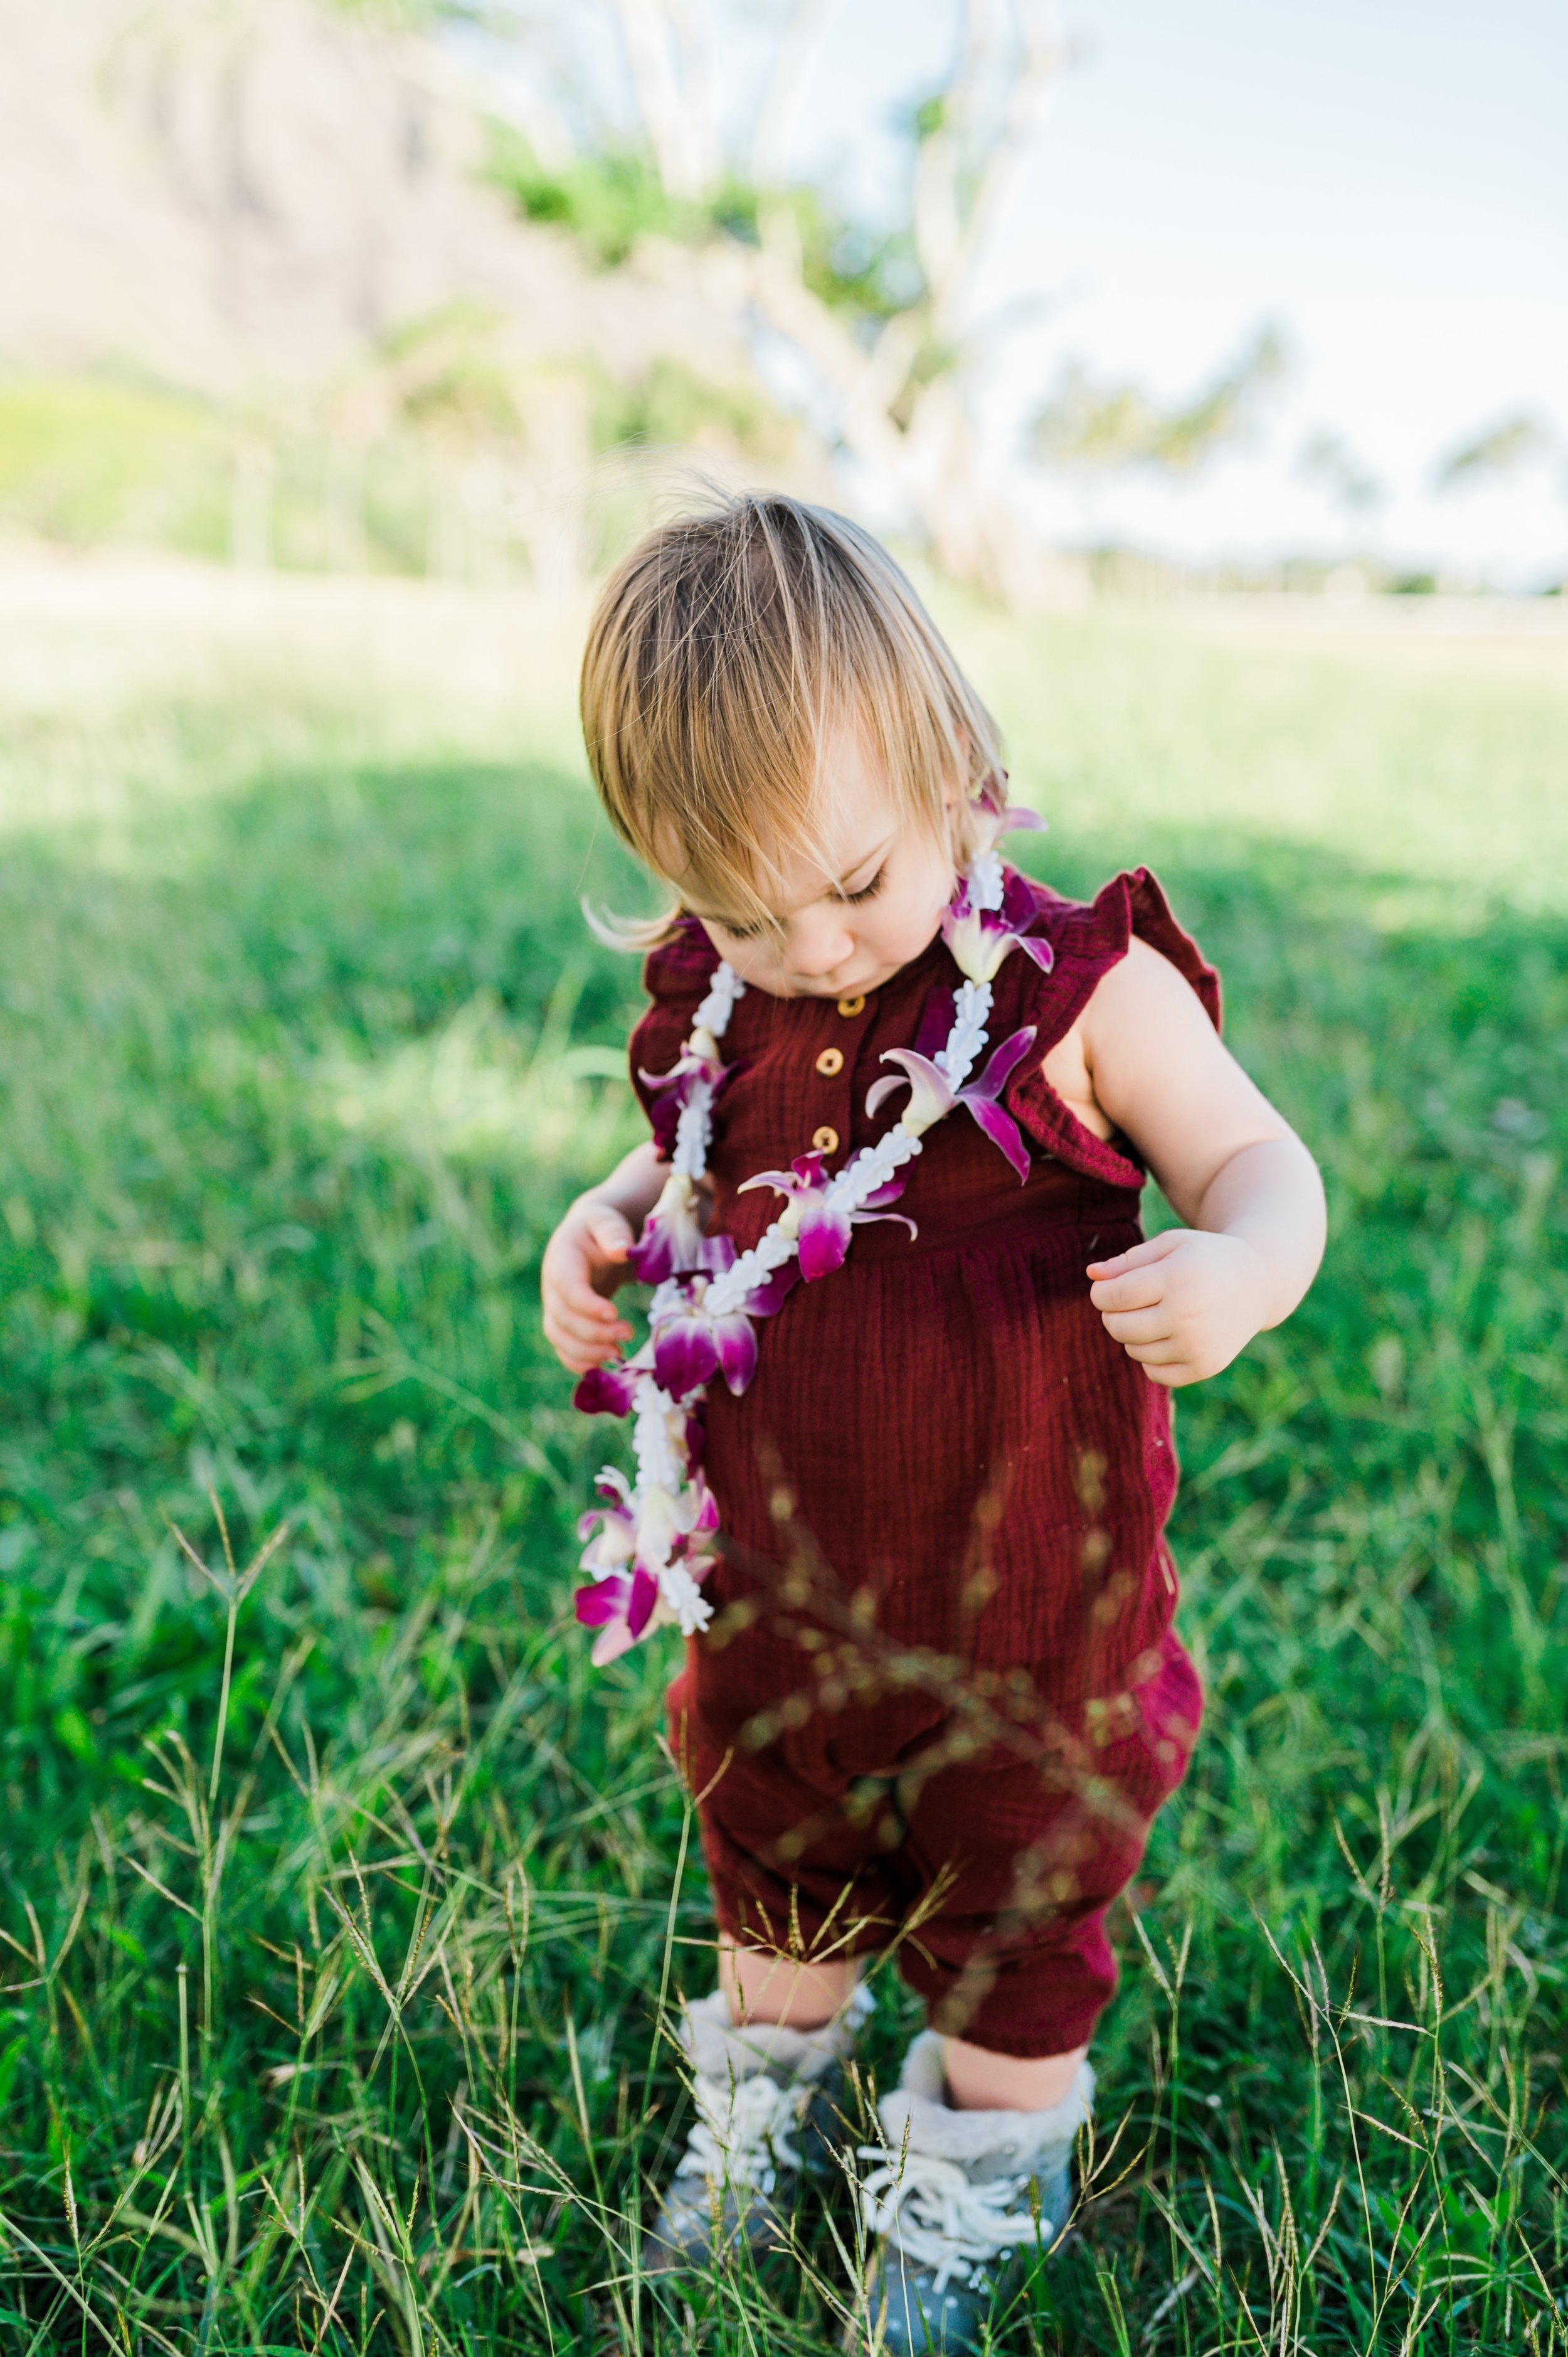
<point>721,652</point>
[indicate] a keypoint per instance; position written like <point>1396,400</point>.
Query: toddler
<point>917,1461</point>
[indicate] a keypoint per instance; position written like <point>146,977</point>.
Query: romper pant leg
<point>796,1861</point>
<point>992,1876</point>
<point>1016,1958</point>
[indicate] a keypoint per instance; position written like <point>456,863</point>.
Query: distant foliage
<point>103,456</point>
<point>1097,426</point>
<point>1327,459</point>
<point>1500,449</point>
<point>883,316</point>
<point>669,406</point>
<point>610,199</point>
<point>444,449</point>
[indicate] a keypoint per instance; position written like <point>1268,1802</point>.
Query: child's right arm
<point>586,1260</point>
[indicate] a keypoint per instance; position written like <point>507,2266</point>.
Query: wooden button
<point>853,1006</point>
<point>826,1139</point>
<point>829,1063</point>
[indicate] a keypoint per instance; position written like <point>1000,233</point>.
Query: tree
<point>881,318</point>
<point>1328,460</point>
<point>1100,427</point>
<point>1505,448</point>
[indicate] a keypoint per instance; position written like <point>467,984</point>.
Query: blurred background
<point>1227,294</point>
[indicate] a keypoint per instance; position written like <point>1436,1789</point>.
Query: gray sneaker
<point>959,2201</point>
<point>767,2101</point>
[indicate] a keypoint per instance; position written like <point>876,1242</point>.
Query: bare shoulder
<point>1142,987</point>
<point>1141,998</point>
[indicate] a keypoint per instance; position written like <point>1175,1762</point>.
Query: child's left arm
<point>1186,1302</point>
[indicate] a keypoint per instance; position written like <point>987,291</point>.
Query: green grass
<point>87,459</point>
<point>462,480</point>
<point>337,1893</point>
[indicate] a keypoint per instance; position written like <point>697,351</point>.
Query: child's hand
<point>583,1262</point>
<point>1183,1302</point>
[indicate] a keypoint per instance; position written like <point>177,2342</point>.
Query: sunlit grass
<point>340,1895</point>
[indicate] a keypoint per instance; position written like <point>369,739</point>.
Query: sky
<point>1387,182</point>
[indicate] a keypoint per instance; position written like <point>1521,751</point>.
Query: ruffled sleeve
<point>676,977</point>
<point>1087,940</point>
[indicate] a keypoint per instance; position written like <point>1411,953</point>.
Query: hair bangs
<point>721,652</point>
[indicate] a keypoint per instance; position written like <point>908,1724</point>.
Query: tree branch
<point>673,94</point>
<point>786,90</point>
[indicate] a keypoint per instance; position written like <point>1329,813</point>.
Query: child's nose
<point>817,943</point>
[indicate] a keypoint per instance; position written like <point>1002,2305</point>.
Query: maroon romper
<point>941,1700</point>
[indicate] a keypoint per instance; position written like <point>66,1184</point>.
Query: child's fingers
<point>1144,1255</point>
<point>583,1335</point>
<point>587,1318</point>
<point>604,1250</point>
<point>610,1237</point>
<point>582,1266</point>
<point>1138,1326</point>
<point>575,1296</point>
<point>1140,1288</point>
<point>581,1356</point>
<point>577,1360</point>
<point>577,1350</point>
<point>1162,1352</point>
<point>577,1285</point>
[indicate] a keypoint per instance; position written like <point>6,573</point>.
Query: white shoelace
<point>940,2218</point>
<point>743,2132</point>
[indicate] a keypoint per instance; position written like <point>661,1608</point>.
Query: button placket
<point>833,1083</point>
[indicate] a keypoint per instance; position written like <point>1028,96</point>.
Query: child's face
<point>856,907</point>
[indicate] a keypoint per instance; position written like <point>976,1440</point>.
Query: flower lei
<point>652,1543</point>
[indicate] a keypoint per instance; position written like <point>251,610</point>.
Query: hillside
<point>261,302</point>
<point>220,190</point>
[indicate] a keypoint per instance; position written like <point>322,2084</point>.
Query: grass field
<point>338,1895</point>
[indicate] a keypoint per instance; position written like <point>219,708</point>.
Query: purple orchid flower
<point>980,939</point>
<point>767,1299</point>
<point>932,1095</point>
<point>610,1530</point>
<point>672,1243</point>
<point>672,1091</point>
<point>691,1345</point>
<point>620,1602</point>
<point>610,1389</point>
<point>822,1228</point>
<point>1004,817</point>
<point>692,1547</point>
<point>671,1239</point>
<point>675,1528</point>
<point>619,1607</point>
